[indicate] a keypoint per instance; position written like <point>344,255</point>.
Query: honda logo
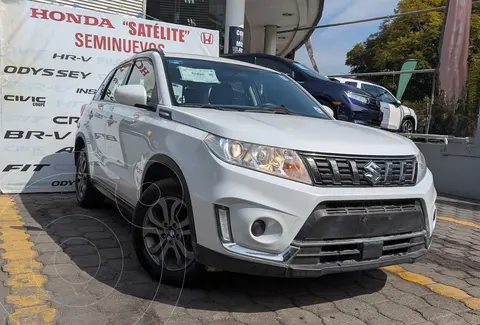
<point>207,38</point>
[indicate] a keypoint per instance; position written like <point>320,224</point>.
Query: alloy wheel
<point>167,234</point>
<point>407,126</point>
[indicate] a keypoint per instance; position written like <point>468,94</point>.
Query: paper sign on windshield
<point>198,75</point>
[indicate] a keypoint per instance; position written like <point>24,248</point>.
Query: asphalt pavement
<point>62,264</point>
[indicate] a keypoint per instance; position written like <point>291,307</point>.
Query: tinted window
<point>310,72</point>
<point>382,94</point>
<point>231,86</point>
<point>351,83</point>
<point>274,65</point>
<point>99,93</point>
<point>143,74</point>
<point>118,79</point>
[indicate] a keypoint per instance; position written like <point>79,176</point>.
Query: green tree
<point>415,37</point>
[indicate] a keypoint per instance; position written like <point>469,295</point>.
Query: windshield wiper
<point>273,110</point>
<point>220,108</point>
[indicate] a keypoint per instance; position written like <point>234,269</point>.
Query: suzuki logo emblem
<point>207,38</point>
<point>373,172</point>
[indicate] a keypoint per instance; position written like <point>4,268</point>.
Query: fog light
<point>223,223</point>
<point>258,228</point>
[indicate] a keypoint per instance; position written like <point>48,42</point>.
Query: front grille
<point>361,171</point>
<point>340,220</point>
<point>373,104</point>
<point>335,252</point>
<point>370,207</point>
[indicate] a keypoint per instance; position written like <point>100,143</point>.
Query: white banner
<point>52,60</point>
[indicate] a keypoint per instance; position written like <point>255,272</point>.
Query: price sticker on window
<point>198,75</point>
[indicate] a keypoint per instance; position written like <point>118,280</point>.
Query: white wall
<point>455,168</point>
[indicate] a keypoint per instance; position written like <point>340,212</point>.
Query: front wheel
<point>407,126</point>
<point>162,234</point>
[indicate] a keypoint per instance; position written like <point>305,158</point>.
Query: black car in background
<point>348,103</point>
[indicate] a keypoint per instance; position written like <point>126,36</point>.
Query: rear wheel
<point>162,234</point>
<point>87,195</point>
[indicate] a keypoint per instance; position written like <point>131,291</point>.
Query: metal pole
<point>432,100</point>
<point>477,132</point>
<point>370,19</point>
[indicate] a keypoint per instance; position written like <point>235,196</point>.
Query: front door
<point>392,115</point>
<point>105,114</point>
<point>133,128</point>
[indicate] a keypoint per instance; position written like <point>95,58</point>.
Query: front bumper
<point>352,112</point>
<point>224,262</point>
<point>286,206</point>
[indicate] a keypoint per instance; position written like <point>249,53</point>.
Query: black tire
<point>407,126</point>
<point>154,242</point>
<point>87,195</point>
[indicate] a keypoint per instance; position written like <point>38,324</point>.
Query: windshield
<point>310,71</point>
<point>229,86</point>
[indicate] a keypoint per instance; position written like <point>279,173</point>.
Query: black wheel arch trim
<point>77,136</point>
<point>171,164</point>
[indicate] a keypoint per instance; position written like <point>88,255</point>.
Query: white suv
<point>236,167</point>
<point>396,117</point>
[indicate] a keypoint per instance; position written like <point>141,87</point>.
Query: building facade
<point>267,26</point>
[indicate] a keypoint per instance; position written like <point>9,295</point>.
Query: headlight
<point>421,167</point>
<point>274,161</point>
<point>358,97</point>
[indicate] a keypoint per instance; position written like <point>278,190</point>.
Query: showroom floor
<point>66,265</point>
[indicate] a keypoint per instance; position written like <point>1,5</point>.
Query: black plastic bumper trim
<point>355,220</point>
<point>219,261</point>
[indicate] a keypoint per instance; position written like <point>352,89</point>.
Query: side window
<point>118,79</point>
<point>382,94</point>
<point>388,98</point>
<point>104,84</point>
<point>178,92</point>
<point>275,65</point>
<point>143,74</point>
<point>351,83</point>
<point>375,91</point>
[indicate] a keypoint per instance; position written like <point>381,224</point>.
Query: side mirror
<point>131,95</point>
<point>399,103</point>
<point>329,111</point>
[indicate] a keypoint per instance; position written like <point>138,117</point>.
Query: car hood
<point>297,132</point>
